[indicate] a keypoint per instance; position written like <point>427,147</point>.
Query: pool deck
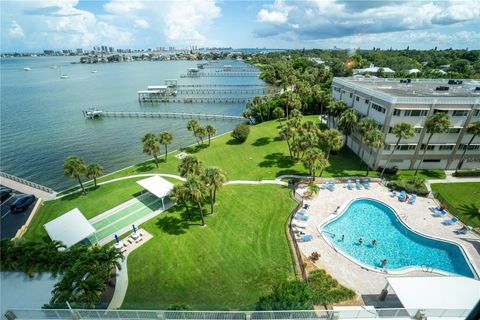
<point>417,217</point>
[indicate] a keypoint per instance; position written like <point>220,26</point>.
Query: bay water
<point>42,122</point>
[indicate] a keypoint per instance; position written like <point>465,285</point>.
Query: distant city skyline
<point>28,26</point>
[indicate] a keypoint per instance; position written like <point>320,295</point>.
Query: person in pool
<point>384,262</point>
<point>374,242</point>
<point>360,240</point>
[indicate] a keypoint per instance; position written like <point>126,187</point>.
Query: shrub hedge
<point>410,186</point>
<point>467,173</point>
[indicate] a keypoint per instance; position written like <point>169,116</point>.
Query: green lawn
<point>263,156</point>
<point>463,200</point>
<point>95,202</point>
<point>227,265</point>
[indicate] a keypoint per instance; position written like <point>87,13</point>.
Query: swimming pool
<point>400,246</point>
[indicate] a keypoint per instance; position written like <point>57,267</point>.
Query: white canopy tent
<point>158,186</point>
<point>458,293</point>
<point>70,228</point>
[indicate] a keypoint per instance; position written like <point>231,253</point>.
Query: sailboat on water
<point>62,75</point>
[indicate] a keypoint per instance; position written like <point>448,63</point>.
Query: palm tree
<point>180,194</point>
<point>196,190</point>
<point>200,133</point>
<point>211,131</point>
<point>373,139</point>
<point>292,102</point>
<point>192,125</point>
<point>278,113</point>
<point>331,140</point>
<point>75,168</point>
<point>314,159</point>
<point>436,123</point>
<point>94,171</point>
<point>214,178</point>
<point>151,146</point>
<point>287,133</point>
<point>365,125</point>
<point>165,138</point>
<point>473,129</point>
<point>348,120</point>
<point>401,131</point>
<point>190,165</point>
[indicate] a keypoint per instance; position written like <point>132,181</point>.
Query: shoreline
<point>63,192</point>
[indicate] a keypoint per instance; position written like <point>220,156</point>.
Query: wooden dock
<point>227,91</point>
<point>172,99</point>
<point>172,115</point>
<point>221,74</point>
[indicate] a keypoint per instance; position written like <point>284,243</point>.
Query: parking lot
<point>11,222</point>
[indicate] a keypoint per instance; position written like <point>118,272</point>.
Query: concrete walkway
<point>450,179</point>
<point>121,284</point>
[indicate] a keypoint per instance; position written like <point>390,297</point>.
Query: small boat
<point>27,69</point>
<point>64,76</point>
<point>53,67</point>
<point>93,71</point>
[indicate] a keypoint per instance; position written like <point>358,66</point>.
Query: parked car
<point>5,193</point>
<point>22,203</point>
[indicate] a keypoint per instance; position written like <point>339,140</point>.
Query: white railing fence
<point>351,313</point>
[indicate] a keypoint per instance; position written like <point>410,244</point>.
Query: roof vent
<point>441,88</point>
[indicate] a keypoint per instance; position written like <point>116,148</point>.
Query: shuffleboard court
<point>120,221</point>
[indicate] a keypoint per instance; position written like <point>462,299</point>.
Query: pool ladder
<point>426,268</point>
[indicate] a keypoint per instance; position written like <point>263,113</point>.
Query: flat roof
<point>157,185</point>
<point>416,88</point>
<point>436,292</point>
<point>70,228</point>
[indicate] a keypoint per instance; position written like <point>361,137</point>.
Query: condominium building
<point>392,101</point>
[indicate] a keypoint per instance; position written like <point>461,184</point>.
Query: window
<point>476,113</point>
<point>397,112</point>
<point>357,98</point>
<point>440,111</point>
<point>446,147</point>
<point>343,91</point>
<point>418,130</point>
<point>404,147</point>
<point>366,101</point>
<point>454,130</point>
<point>429,147</point>
<point>460,113</point>
<point>387,147</point>
<point>473,160</point>
<point>471,147</point>
<point>378,108</point>
<point>431,160</point>
<point>416,113</point>
<point>351,95</point>
<point>336,89</point>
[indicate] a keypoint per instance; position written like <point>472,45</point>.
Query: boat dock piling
<point>221,74</point>
<point>173,115</point>
<point>146,97</point>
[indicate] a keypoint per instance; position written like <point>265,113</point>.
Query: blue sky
<point>64,24</point>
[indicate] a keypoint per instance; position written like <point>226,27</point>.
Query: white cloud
<point>274,17</point>
<point>324,19</point>
<point>141,24</point>
<point>15,30</point>
<point>61,24</point>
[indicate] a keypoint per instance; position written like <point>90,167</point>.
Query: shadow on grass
<point>278,160</point>
<point>472,212</point>
<point>278,139</point>
<point>233,142</point>
<point>261,142</point>
<point>175,225</point>
<point>196,148</point>
<point>145,167</point>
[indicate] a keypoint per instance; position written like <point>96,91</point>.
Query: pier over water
<point>95,113</point>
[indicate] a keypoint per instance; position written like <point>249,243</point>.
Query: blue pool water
<point>401,247</point>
